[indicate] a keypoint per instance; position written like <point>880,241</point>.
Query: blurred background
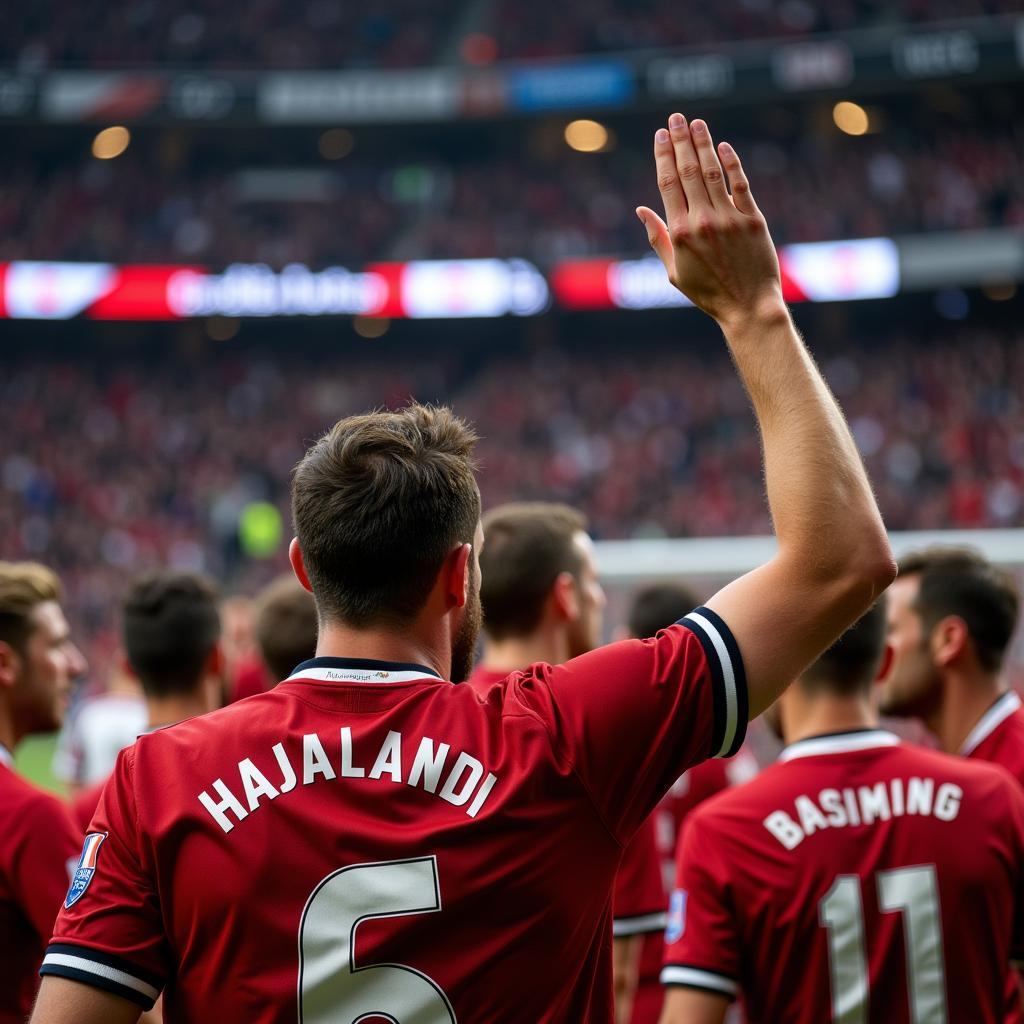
<point>223,228</point>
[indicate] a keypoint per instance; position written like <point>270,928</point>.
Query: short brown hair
<point>526,546</point>
<point>23,586</point>
<point>379,502</point>
<point>657,606</point>
<point>850,665</point>
<point>285,625</point>
<point>171,625</point>
<point>959,581</point>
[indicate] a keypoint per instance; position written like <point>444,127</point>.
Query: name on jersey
<point>460,779</point>
<point>863,805</point>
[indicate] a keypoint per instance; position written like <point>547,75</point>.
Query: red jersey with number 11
<point>369,841</point>
<point>857,879</point>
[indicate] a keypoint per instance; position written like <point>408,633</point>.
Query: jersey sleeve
<point>638,901</point>
<point>45,849</point>
<point>702,938</point>
<point>631,717</point>
<point>109,932</point>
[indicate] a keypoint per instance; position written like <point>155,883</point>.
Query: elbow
<point>868,574</point>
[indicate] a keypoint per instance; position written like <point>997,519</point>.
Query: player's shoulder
<point>745,801</point>
<point>984,778</point>
<point>23,804</point>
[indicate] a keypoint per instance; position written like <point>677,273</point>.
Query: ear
<point>949,640</point>
<point>298,565</point>
<point>10,664</point>
<point>565,596</point>
<point>456,573</point>
<point>883,669</point>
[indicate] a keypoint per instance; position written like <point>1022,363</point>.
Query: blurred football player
<point>38,840</point>
<point>367,839</point>
<point>171,634</point>
<point>285,626</point>
<point>655,607</point>
<point>858,879</point>
<point>951,617</point>
<point>543,602</point>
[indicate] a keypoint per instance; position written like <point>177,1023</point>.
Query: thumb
<point>657,236</point>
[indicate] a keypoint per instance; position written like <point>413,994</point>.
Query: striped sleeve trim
<point>102,970</point>
<point>641,924</point>
<point>696,977</point>
<point>729,680</point>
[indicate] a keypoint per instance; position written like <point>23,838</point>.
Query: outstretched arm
<point>833,557</point>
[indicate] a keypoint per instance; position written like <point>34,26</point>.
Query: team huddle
<point>399,831</point>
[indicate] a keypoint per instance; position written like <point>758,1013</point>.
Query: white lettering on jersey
<point>466,784</point>
<point>833,808</point>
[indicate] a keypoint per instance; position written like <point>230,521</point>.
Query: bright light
<point>111,142</point>
<point>336,143</point>
<point>851,118</point>
<point>586,136</point>
<point>371,326</point>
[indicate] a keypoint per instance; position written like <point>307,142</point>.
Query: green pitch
<point>34,760</point>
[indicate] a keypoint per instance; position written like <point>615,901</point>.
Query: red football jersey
<point>690,790</point>
<point>999,736</point>
<point>368,840</point>
<point>39,841</point>
<point>639,898</point>
<point>858,879</point>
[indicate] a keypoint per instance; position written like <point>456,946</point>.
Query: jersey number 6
<point>332,989</point>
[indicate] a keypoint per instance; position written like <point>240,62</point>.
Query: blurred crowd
<point>532,198</point>
<point>110,470</point>
<point>407,33</point>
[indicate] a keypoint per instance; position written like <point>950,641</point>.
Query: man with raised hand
<point>364,839</point>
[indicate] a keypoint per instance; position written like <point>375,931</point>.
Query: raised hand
<point>715,246</point>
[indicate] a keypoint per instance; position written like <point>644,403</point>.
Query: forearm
<point>824,513</point>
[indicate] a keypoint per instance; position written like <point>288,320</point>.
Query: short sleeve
<point>638,901</point>
<point>633,716</point>
<point>45,849</point>
<point>109,933</point>
<point>702,939</point>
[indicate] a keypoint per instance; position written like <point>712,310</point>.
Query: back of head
<point>379,502</point>
<point>171,626</point>
<point>527,545</point>
<point>851,664</point>
<point>960,582</point>
<point>286,626</point>
<point>23,587</point>
<point>657,606</point>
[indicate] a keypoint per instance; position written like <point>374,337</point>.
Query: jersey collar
<point>360,670</point>
<point>839,743</point>
<point>1004,706</point>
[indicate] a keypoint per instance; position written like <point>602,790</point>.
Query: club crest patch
<point>86,868</point>
<point>676,916</point>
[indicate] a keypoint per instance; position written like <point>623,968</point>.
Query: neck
<point>514,653</point>
<point>337,641</point>
<point>966,696</point>
<point>163,711</point>
<point>9,734</point>
<point>825,714</point>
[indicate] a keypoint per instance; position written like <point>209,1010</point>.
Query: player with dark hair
<point>171,632</point>
<point>38,663</point>
<point>367,839</point>
<point>951,617</point>
<point>836,886</point>
<point>285,626</point>
<point>543,602</point>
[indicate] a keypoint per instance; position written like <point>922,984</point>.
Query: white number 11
<point>914,893</point>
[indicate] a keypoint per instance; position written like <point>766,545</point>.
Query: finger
<point>741,194</point>
<point>687,164</point>
<point>657,236</point>
<point>711,169</point>
<point>669,185</point>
